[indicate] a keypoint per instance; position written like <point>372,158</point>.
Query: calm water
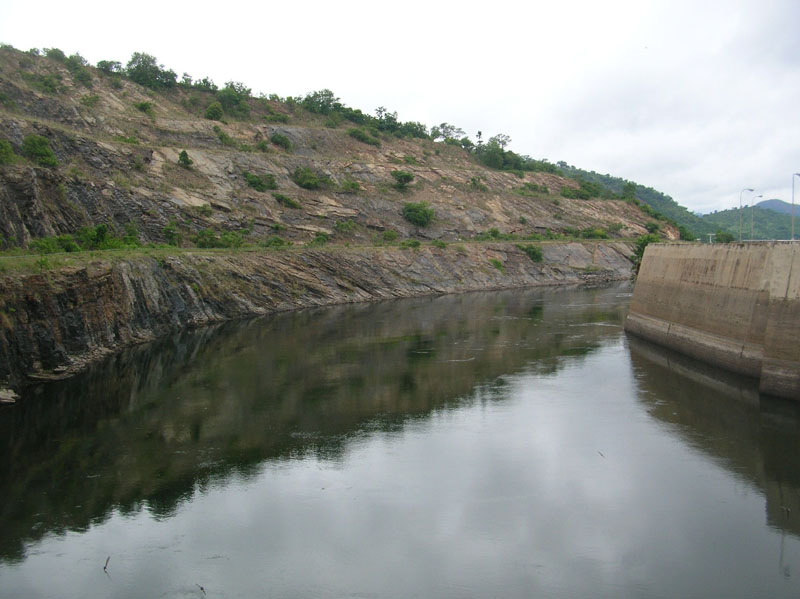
<point>483,445</point>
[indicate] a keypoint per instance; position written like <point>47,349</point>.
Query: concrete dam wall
<point>736,306</point>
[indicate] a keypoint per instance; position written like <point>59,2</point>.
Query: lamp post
<point>793,176</point>
<point>740,209</point>
<point>752,209</point>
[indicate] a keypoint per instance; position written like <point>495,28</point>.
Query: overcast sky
<point>695,99</point>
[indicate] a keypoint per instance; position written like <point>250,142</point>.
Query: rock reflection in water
<point>153,424</point>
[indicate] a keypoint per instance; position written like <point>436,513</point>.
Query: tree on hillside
<point>629,190</point>
<point>144,69</point>
<point>320,102</point>
<point>501,139</point>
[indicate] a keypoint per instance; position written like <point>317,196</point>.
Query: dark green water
<point>512,444</point>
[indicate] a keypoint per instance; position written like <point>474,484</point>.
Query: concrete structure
<point>734,305</point>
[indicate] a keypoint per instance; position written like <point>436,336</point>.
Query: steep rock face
<point>53,324</point>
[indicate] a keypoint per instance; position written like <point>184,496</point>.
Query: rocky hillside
<point>230,206</point>
<point>267,167</point>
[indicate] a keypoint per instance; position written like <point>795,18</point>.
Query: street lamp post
<point>740,209</point>
<point>793,176</point>
<point>752,209</point>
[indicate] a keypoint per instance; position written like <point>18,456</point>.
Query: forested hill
<point>661,203</point>
<point>776,206</point>
<point>756,223</point>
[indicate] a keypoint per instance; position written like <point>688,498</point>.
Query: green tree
<point>723,236</point>
<point>214,111</point>
<point>144,69</point>
<point>641,243</point>
<point>184,160</point>
<point>109,67</point>
<point>402,178</point>
<point>320,102</point>
<point>629,190</point>
<point>233,98</point>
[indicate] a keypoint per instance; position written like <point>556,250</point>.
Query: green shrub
<point>231,239</point>
<point>286,200</point>
<point>402,179</point>
<point>308,179</point>
<point>206,239</point>
<point>214,111</point>
<point>494,234</point>
<point>350,186</point>
<point>37,148</point>
<point>273,242</point>
<point>184,160</point>
<point>260,183</point>
<point>7,155</point>
<point>145,107</point>
<point>534,252</point>
<point>223,137</point>
<point>319,239</point>
<point>90,101</point>
<point>334,120</point>
<point>419,213</point>
<point>126,140</point>
<point>83,77</point>
<point>652,227</point>
<point>476,184</point>
<point>389,236</point>
<point>49,84</point>
<point>171,234</point>
<point>363,136</point>
<point>345,226</point>
<point>438,243</point>
<point>594,233</point>
<point>233,99</point>
<point>529,189</point>
<point>50,245</point>
<point>277,118</point>
<point>281,140</point>
<point>497,264</point>
<point>410,243</point>
<point>262,145</point>
<point>641,243</point>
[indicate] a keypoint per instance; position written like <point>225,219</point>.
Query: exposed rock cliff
<point>54,323</point>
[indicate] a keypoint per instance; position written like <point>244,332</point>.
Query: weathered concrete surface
<point>54,323</point>
<point>733,305</point>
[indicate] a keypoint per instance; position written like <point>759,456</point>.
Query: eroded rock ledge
<point>55,323</point>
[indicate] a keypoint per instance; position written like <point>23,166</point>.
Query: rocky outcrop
<point>52,324</point>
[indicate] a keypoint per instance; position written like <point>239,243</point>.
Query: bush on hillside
<point>419,213</point>
<point>214,111</point>
<point>37,148</point>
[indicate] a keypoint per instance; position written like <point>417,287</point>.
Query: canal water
<point>509,444</point>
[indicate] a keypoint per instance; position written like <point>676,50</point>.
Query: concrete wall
<point>733,305</point>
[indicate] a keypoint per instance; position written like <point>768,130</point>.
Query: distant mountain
<point>777,206</point>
